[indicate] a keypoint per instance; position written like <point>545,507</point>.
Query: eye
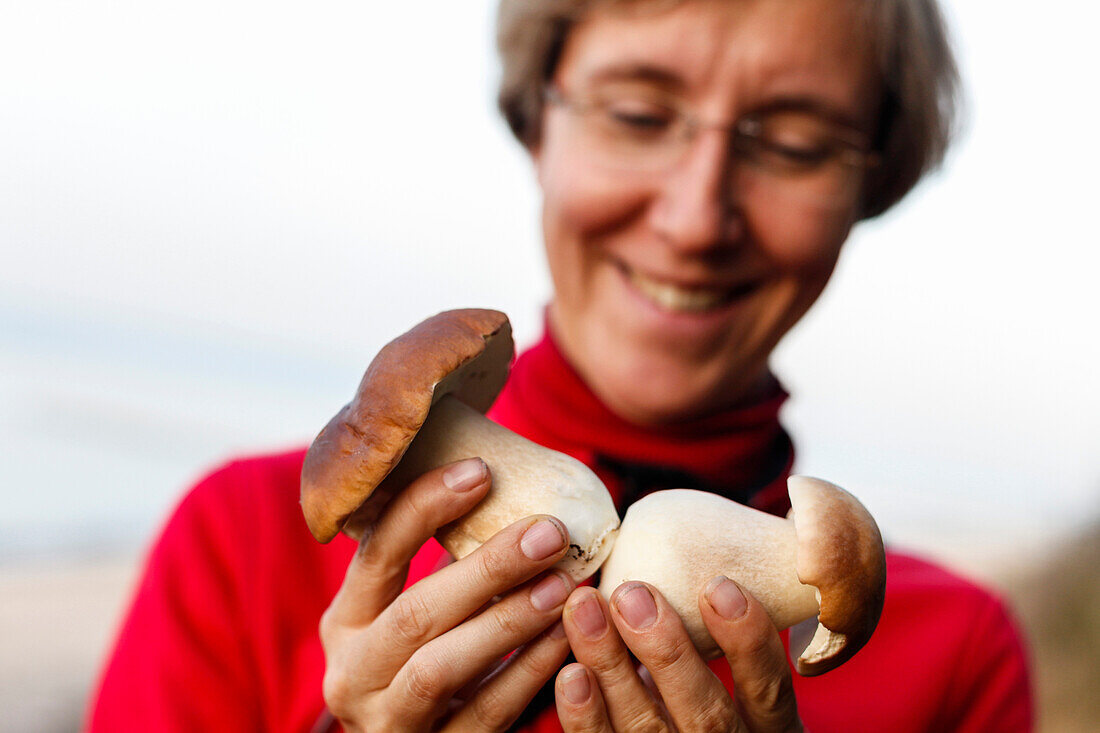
<point>786,144</point>
<point>802,156</point>
<point>637,118</point>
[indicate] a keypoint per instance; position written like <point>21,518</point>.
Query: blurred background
<point>212,214</point>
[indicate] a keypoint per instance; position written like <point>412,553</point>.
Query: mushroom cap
<point>840,553</point>
<point>465,353</point>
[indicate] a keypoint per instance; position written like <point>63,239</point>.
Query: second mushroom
<point>825,559</point>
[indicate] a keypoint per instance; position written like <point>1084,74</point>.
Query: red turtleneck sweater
<point>222,631</point>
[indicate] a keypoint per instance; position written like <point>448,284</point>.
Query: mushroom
<point>419,406</point>
<point>825,559</point>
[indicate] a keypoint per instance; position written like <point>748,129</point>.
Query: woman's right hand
<point>420,659</point>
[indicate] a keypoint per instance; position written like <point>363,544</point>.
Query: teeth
<point>674,298</point>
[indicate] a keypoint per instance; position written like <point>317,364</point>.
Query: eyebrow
<point>673,82</point>
<point>653,74</point>
<point>813,106</point>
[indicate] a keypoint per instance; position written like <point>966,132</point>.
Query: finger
<point>580,705</point>
<point>445,599</point>
<point>651,686</point>
<point>651,628</point>
<point>377,572</point>
<point>505,694</point>
<point>437,670</point>
<point>598,646</point>
<point>762,678</point>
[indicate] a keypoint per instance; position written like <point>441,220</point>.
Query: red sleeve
<point>991,689</point>
<point>180,661</point>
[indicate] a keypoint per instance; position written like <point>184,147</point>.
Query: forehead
<point>728,53</point>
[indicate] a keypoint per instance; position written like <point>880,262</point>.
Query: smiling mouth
<point>679,299</point>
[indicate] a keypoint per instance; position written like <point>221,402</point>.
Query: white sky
<point>213,213</point>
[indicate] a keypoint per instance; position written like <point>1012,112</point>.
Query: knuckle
<point>425,681</point>
<point>610,667</point>
<point>374,720</point>
<point>538,662</point>
<point>613,671</point>
<point>716,717</point>
<point>418,501</point>
<point>757,645</point>
<point>647,721</point>
<point>350,703</point>
<point>382,567</point>
<point>769,693</point>
<point>492,564</point>
<point>583,722</point>
<point>490,708</point>
<point>509,623</point>
<point>666,654</point>
<point>411,617</point>
<point>327,627</point>
<point>378,559</point>
<point>336,691</point>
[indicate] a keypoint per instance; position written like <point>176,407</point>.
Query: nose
<point>693,209</point>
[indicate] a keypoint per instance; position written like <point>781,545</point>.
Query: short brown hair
<point>919,78</point>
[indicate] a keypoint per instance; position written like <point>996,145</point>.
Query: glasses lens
<point>832,189</point>
<point>632,134</point>
<point>797,156</point>
<point>793,156</point>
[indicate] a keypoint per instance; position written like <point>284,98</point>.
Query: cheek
<point>584,203</point>
<point>803,243</point>
<point>582,210</point>
<point>581,201</point>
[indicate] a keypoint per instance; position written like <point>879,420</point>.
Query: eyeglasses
<point>788,154</point>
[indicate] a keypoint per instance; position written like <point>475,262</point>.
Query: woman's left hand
<point>605,691</point>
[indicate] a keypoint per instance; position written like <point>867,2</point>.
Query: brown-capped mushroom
<point>419,406</point>
<point>825,559</point>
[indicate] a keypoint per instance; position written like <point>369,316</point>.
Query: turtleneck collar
<point>742,453</point>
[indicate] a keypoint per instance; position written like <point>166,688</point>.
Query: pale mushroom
<point>419,406</point>
<point>825,559</point>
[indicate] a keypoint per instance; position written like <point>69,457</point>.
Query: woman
<point>701,164</point>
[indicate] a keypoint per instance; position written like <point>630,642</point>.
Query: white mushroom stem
<point>678,540</point>
<point>527,479</point>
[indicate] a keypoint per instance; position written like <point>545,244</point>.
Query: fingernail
<point>575,685</point>
<point>589,618</point>
<point>637,607</point>
<point>557,631</point>
<point>542,539</point>
<point>726,598</point>
<point>549,592</point>
<point>465,475</point>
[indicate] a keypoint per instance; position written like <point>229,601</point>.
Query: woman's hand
<point>675,690</point>
<point>421,659</point>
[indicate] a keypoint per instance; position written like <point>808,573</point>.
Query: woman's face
<point>671,287</point>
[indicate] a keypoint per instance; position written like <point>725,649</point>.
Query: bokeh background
<point>212,214</point>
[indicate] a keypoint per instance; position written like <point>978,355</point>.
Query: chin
<point>643,395</point>
<point>659,376</point>
<point>648,409</point>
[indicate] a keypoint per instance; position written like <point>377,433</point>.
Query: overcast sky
<point>213,213</point>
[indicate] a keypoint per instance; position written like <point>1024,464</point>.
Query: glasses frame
<point>855,146</point>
